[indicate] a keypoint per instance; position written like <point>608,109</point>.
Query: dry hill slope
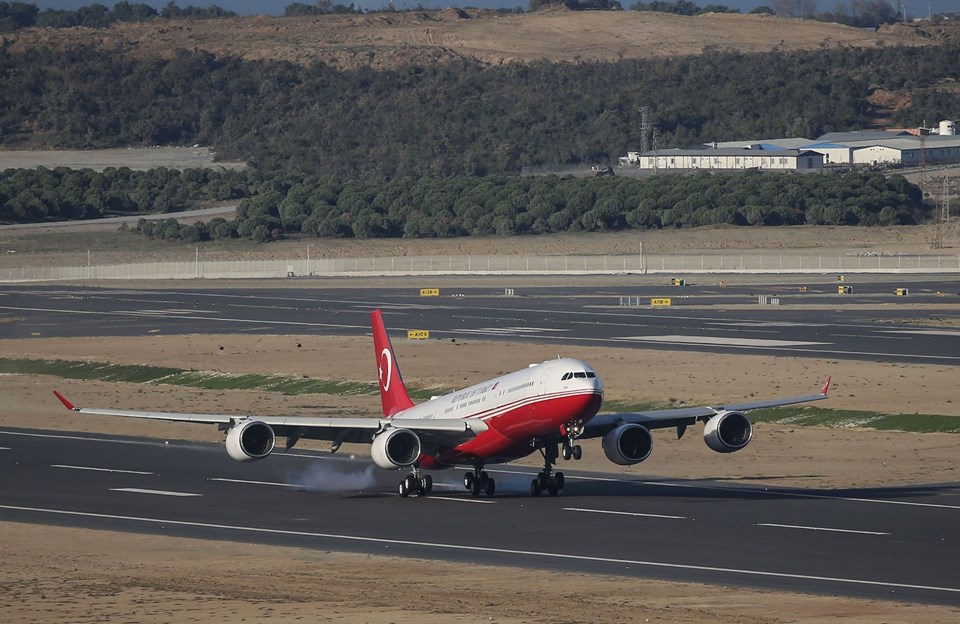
<point>385,40</point>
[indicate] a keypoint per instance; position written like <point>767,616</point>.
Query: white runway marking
<point>136,472</point>
<point>4,448</point>
<point>486,549</point>
<point>289,485</point>
<point>810,528</point>
<point>461,500</point>
<point>722,341</point>
<point>83,438</point>
<point>924,332</point>
<point>624,513</point>
<point>156,492</point>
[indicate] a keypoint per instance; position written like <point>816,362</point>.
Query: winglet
<point>826,386</point>
<point>67,404</point>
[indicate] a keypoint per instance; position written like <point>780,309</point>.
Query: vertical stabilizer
<point>393,394</point>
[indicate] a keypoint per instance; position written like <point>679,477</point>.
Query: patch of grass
<point>209,380</point>
<point>843,419</point>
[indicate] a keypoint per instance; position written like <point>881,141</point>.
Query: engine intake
<point>395,448</point>
<point>728,432</point>
<point>250,440</point>
<point>628,444</point>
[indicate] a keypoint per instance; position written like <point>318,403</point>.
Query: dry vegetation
<point>386,40</point>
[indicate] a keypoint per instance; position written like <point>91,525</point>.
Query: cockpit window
<point>580,375</point>
<point>566,376</point>
<point>591,374</point>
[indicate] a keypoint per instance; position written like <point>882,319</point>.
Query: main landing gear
<point>548,481</point>
<point>479,481</point>
<point>414,483</point>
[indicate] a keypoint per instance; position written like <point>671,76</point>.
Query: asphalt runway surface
<point>894,543</point>
<point>702,317</point>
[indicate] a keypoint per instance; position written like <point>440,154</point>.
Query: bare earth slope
<point>385,40</point>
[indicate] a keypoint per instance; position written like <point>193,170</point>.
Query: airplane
<point>545,407</point>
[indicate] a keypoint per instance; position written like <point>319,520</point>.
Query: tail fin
<point>393,394</point>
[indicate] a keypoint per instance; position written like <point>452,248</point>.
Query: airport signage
<point>429,292</point>
<point>418,334</point>
<point>659,302</point>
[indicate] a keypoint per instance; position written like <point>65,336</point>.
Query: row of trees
<point>16,15</point>
<point>457,118</point>
<point>418,208</point>
<point>37,195</point>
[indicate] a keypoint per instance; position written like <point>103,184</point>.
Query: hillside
<point>387,40</point>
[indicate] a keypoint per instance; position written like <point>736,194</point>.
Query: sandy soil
<point>386,40</point>
<point>52,575</point>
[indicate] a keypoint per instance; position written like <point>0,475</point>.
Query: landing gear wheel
<point>468,480</point>
<point>490,486</point>
<point>403,490</point>
<point>475,487</point>
<point>411,483</point>
<point>559,480</point>
<point>566,452</point>
<point>426,485</point>
<point>535,488</point>
<point>577,452</point>
<point>542,481</point>
<point>552,487</point>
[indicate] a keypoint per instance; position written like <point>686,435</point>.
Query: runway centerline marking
<point>624,513</point>
<point>244,481</point>
<point>155,492</point>
<point>812,528</point>
<point>136,472</point>
<point>485,549</point>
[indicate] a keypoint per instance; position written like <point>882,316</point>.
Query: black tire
<point>490,487</point>
<point>552,488</point>
<point>542,481</point>
<point>427,484</point>
<point>475,488</point>
<point>577,452</point>
<point>559,480</point>
<point>535,487</point>
<point>468,480</point>
<point>403,490</point>
<point>566,452</point>
<point>411,483</point>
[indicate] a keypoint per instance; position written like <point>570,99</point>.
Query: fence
<point>491,265</point>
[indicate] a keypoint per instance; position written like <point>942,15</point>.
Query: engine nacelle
<point>250,440</point>
<point>628,444</point>
<point>728,432</point>
<point>395,448</point>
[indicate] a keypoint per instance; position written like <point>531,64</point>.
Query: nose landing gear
<point>479,481</point>
<point>570,449</point>
<point>414,483</point>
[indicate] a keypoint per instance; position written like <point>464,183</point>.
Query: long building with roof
<point>866,148</point>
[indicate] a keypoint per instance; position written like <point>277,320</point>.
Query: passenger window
<point>580,375</point>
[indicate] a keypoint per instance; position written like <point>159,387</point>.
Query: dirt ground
<point>55,575</point>
<point>387,40</point>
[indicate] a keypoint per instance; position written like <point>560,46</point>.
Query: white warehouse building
<point>731,158</point>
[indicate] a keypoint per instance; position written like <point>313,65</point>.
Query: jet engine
<point>395,448</point>
<point>628,444</point>
<point>250,440</point>
<point>728,432</point>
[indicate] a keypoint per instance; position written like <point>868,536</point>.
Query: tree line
<point>456,118</point>
<point>62,194</point>
<point>287,204</point>
<point>17,15</point>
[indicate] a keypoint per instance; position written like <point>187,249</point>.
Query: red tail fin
<point>393,394</point>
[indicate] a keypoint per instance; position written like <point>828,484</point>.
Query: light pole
<point>308,258</point>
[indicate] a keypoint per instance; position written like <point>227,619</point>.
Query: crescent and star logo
<point>385,369</point>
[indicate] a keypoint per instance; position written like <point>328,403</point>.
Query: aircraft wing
<point>432,432</point>
<point>684,416</point>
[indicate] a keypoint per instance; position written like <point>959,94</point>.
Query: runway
<point>816,322</point>
<point>895,543</point>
